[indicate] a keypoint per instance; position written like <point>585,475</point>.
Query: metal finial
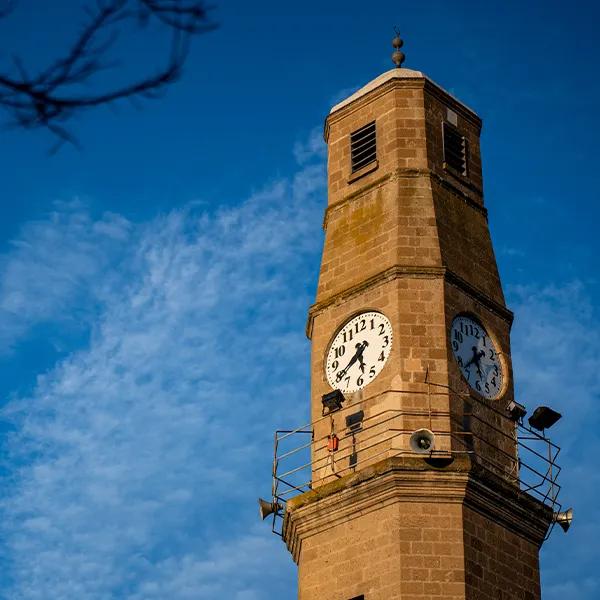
<point>397,55</point>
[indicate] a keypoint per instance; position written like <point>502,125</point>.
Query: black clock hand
<point>473,358</point>
<point>476,360</point>
<point>477,356</point>
<point>360,348</point>
<point>362,363</point>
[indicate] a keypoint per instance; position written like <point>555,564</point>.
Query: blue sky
<point>154,285</point>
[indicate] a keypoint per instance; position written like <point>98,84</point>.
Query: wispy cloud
<point>314,146</point>
<point>556,357</point>
<point>54,267</point>
<point>135,465</point>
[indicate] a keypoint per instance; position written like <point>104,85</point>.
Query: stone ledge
<point>398,271</point>
<point>412,479</point>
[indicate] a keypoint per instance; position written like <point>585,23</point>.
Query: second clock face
<point>359,351</point>
<point>477,356</point>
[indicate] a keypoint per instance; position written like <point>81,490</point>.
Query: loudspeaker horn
<point>564,519</point>
<point>267,508</point>
<point>422,441</point>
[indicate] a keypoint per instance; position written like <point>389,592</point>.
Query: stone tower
<point>410,324</point>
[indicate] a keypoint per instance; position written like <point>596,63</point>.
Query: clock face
<point>477,356</point>
<point>358,352</point>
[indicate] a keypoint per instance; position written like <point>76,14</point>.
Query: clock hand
<point>474,358</point>
<point>360,348</point>
<point>478,356</point>
<point>362,364</point>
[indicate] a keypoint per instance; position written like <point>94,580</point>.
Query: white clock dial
<point>477,356</point>
<point>358,352</point>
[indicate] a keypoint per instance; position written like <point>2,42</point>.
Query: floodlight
<point>543,417</point>
<point>354,421</point>
<point>516,411</point>
<point>332,401</point>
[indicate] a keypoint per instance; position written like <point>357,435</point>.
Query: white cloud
<point>136,463</point>
<point>556,349</point>
<point>314,145</point>
<point>55,266</point>
<point>556,358</point>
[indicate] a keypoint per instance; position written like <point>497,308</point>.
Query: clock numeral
<point>493,380</point>
<point>487,387</point>
<point>478,385</point>
<point>360,380</point>
<point>372,323</point>
<point>363,325</point>
<point>340,350</point>
<point>339,376</point>
<point>347,380</point>
<point>476,332</point>
<point>459,359</point>
<point>492,355</point>
<point>372,371</point>
<point>484,340</point>
<point>386,340</point>
<point>455,346</point>
<point>458,335</point>
<point>381,357</point>
<point>496,371</point>
<point>348,335</point>
<point>335,364</point>
<point>381,328</point>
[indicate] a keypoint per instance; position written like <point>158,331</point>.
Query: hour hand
<point>362,363</point>
<point>360,348</point>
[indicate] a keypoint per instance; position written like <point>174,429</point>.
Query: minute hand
<point>360,348</point>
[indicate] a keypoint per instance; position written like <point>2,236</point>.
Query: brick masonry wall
<point>499,564</point>
<point>403,550</point>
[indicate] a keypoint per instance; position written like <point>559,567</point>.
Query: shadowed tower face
<point>410,324</point>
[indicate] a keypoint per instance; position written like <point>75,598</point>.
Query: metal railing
<point>305,458</point>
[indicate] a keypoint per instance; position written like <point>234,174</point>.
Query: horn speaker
<point>422,441</point>
<point>267,508</point>
<point>564,519</point>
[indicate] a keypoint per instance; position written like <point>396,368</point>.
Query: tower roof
<point>397,73</point>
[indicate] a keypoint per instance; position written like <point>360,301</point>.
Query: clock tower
<point>416,487</point>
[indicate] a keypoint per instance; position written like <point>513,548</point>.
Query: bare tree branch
<point>47,99</point>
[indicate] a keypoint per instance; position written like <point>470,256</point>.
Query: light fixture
<point>543,417</point>
<point>516,411</point>
<point>354,421</point>
<point>564,519</point>
<point>332,401</point>
<point>268,508</point>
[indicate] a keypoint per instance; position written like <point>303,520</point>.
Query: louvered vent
<point>363,146</point>
<point>455,149</point>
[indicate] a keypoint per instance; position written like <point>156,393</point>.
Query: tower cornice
<point>400,480</point>
<point>414,272</point>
